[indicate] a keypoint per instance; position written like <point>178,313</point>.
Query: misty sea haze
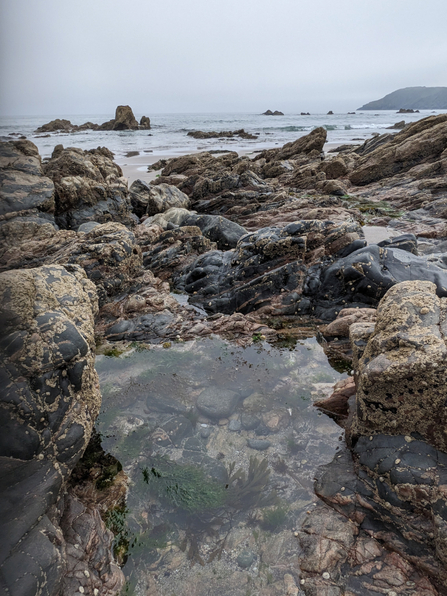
<point>168,135</point>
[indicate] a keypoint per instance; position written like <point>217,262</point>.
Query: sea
<point>168,134</point>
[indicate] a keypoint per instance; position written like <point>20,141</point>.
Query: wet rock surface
<point>50,401</point>
<point>255,250</point>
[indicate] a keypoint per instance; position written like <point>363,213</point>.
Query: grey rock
<point>216,402</point>
<point>246,558</point>
<point>23,185</point>
<point>88,226</point>
<point>234,425</point>
<point>258,444</point>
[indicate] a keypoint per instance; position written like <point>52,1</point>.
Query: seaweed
<point>186,487</point>
<point>273,519</point>
<point>247,491</point>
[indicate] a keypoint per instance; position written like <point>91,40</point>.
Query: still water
<point>221,445</point>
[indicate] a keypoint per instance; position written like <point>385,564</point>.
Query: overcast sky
<point>60,57</point>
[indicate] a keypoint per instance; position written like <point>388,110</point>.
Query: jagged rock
<point>398,126</point>
<point>314,141</point>
<point>421,142</point>
<point>124,120</point>
<point>23,185</point>
<point>109,255</point>
<point>89,187</point>
<point>150,200</point>
<point>55,126</point>
<point>264,264</point>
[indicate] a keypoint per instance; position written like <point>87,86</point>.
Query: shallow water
<point>168,135</point>
<point>203,495</point>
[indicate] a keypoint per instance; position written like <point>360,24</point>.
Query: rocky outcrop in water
<point>200,134</point>
<point>124,120</point>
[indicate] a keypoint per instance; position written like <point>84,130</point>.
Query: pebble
<point>205,432</point>
<point>326,575</point>
<point>258,444</point>
<point>234,425</point>
<point>245,559</point>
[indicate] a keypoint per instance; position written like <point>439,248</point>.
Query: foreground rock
<point>408,341</point>
<point>394,489</point>
<point>50,401</point>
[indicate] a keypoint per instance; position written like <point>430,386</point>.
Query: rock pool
<point>221,445</point>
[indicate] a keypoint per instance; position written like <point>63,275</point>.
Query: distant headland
<point>421,98</point>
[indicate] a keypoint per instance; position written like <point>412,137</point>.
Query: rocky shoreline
<point>86,261</point>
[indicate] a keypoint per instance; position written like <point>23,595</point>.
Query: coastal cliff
<point>411,98</point>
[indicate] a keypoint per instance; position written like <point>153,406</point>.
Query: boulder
<point>23,185</point>
<point>150,200</point>
<point>346,318</point>
<point>401,374</point>
<point>216,403</point>
<point>49,402</point>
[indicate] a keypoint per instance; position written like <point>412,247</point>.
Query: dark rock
<point>258,444</point>
<point>199,134</point>
<point>362,278</point>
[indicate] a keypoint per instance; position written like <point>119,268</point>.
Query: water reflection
<point>221,444</point>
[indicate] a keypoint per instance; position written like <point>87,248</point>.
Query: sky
<point>61,57</point>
